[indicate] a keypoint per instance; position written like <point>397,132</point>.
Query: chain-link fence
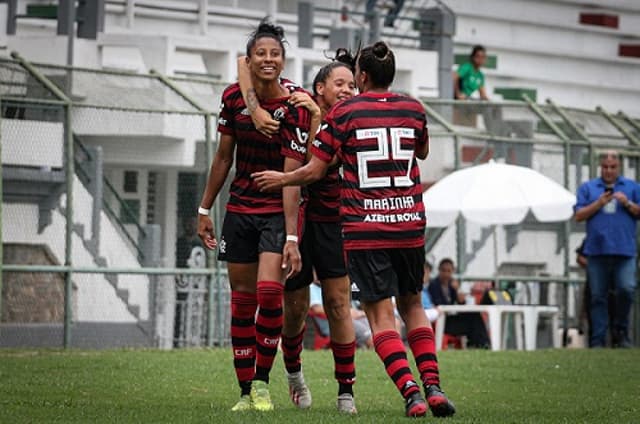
<point>102,175</point>
<point>102,172</point>
<point>561,143</point>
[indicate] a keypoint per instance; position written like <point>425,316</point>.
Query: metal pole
<point>69,173</point>
<point>210,256</point>
<point>460,223</point>
<point>567,224</point>
<point>107,270</point>
<point>130,12</point>
<point>632,138</point>
<point>630,121</point>
<point>461,228</point>
<point>166,81</point>
<point>203,16</point>
<point>374,27</point>
<point>569,121</point>
<point>1,239</point>
<point>41,78</point>
<point>12,11</point>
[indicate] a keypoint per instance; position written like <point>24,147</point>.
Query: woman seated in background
<point>444,291</point>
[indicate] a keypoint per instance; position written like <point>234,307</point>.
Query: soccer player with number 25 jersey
<point>378,135</point>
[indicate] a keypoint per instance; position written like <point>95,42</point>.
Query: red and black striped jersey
<point>324,198</point>
<point>256,152</point>
<point>375,135</point>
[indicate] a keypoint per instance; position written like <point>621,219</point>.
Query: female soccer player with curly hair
<point>259,234</point>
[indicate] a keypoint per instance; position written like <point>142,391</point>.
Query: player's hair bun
<point>345,56</point>
<point>381,50</point>
<point>265,27</point>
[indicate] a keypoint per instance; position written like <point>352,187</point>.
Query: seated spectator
<point>433,312</point>
<point>469,78</point>
<point>444,290</point>
<point>360,323</point>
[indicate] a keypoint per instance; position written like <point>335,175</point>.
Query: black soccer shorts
<point>245,236</point>
<point>383,273</point>
<point>321,249</point>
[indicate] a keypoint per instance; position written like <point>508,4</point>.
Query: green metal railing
<point>109,195</point>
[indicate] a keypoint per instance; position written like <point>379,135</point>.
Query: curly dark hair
<point>266,29</point>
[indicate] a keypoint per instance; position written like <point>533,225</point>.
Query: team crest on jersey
<point>279,113</point>
<point>245,112</point>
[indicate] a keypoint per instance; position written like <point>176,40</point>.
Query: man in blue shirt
<point>609,205</point>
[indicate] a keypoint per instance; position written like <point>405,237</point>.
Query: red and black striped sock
<point>423,346</point>
<point>291,349</point>
<point>390,349</point>
<point>268,326</point>
<point>345,366</point>
<point>243,337</point>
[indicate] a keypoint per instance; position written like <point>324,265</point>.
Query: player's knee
<point>295,312</point>
<point>337,308</point>
<point>407,305</point>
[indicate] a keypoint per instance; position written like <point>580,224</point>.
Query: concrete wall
<point>542,45</point>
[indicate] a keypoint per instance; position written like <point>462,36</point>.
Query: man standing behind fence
<point>609,206</point>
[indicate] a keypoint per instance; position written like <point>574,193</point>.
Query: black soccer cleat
<point>416,406</point>
<point>440,405</point>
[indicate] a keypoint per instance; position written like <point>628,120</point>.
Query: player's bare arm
<point>220,167</point>
<point>291,258</point>
<point>262,120</point>
<point>271,181</point>
<point>422,150</point>
<point>301,99</point>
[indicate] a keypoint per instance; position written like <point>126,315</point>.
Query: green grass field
<point>199,386</point>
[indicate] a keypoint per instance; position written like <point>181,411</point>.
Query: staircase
<point>109,309</point>
<point>89,170</point>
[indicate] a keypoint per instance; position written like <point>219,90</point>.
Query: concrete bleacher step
<point>79,230</point>
<point>478,244</point>
<point>101,261</point>
<point>123,294</point>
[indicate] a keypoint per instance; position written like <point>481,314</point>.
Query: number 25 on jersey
<point>382,136</point>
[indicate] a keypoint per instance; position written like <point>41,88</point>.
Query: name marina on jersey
<point>404,202</point>
<point>390,204</point>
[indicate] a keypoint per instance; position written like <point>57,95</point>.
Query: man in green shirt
<point>469,77</point>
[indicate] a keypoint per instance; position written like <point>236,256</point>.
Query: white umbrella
<point>497,194</point>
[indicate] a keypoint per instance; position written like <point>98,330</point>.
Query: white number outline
<point>382,153</point>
